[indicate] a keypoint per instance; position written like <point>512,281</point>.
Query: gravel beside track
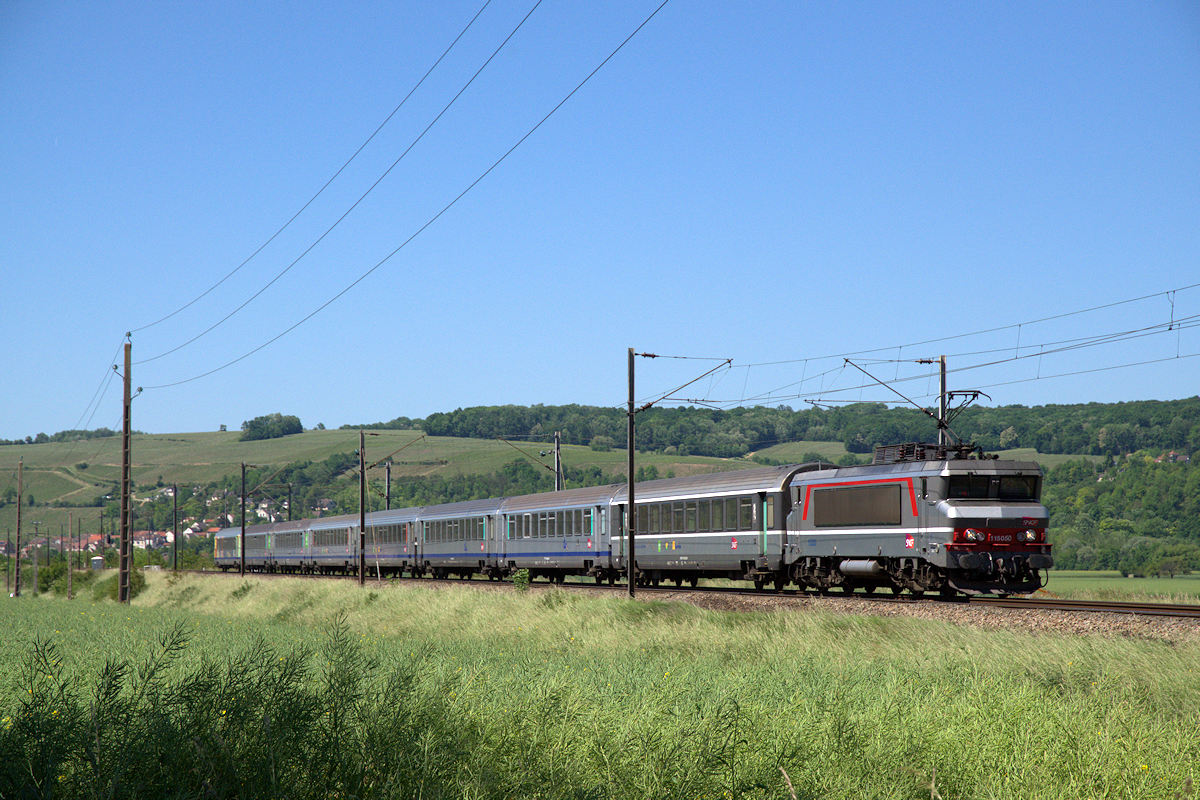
<point>1170,629</point>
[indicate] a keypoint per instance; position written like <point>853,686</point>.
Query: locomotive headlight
<point>1029,535</point>
<point>972,535</point>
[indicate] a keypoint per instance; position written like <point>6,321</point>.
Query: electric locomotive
<point>920,518</point>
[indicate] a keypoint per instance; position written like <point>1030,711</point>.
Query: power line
<point>430,221</point>
<point>1055,347</point>
<point>1092,342</point>
<point>1092,370</point>
<point>325,186</point>
<point>355,204</point>
<point>1169,294</point>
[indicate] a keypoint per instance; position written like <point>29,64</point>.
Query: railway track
<point>1177,610</point>
<point>1093,606</point>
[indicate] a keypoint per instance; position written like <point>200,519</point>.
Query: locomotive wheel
<point>758,584</point>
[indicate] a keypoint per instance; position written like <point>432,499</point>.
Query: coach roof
<point>568,498</point>
<point>743,481</point>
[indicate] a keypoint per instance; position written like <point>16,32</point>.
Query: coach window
<point>746,513</point>
<point>731,514</point>
<point>677,518</point>
<point>690,519</point>
<point>705,516</point>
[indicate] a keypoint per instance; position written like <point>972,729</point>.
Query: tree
<point>270,426</point>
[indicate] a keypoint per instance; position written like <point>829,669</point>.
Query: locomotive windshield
<point>994,487</point>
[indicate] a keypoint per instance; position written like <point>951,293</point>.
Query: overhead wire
<point>1077,312</point>
<point>327,183</point>
<point>356,203</point>
<point>1042,349</point>
<point>430,221</point>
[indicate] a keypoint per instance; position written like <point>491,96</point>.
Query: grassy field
<point>406,691</point>
<point>793,452</point>
<point>1112,585</point>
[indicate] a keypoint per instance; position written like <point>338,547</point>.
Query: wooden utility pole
<point>175,528</point>
<point>558,473</point>
<point>242,535</point>
<point>362,508</point>
<point>36,531</point>
<point>70,566</point>
<point>388,492</point>
<point>126,483</point>
<point>20,502</point>
<point>631,513</point>
<point>943,433</point>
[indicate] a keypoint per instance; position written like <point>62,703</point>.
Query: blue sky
<point>767,182</point>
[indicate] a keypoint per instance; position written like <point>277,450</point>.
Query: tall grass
<point>229,687</point>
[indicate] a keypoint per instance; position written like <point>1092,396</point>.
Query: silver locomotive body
<point>923,519</point>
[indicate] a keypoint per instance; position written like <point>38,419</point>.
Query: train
<point>919,518</point>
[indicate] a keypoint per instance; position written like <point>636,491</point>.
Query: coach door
<point>763,524</point>
<point>619,524</point>
<point>599,534</point>
<point>922,512</point>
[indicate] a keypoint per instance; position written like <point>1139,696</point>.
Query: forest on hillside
<point>1139,514</point>
<point>1083,429</point>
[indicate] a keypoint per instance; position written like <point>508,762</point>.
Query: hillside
<point>1113,510</point>
<point>74,477</point>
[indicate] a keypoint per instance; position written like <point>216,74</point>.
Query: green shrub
<point>520,580</point>
<point>106,588</point>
